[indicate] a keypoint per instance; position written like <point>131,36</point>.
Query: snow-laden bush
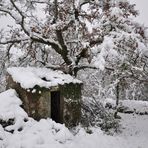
<point>12,116</point>
<point>129,106</point>
<point>95,114</point>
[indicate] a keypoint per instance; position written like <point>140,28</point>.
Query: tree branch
<point>22,16</point>
<point>64,52</point>
<point>55,46</point>
<point>12,41</point>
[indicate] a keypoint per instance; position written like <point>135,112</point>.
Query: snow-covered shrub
<point>12,116</point>
<point>128,106</point>
<point>95,114</point>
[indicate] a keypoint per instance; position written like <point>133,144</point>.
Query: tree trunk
<point>117,100</point>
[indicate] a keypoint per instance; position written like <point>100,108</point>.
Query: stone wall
<point>37,101</point>
<point>36,104</point>
<point>71,94</point>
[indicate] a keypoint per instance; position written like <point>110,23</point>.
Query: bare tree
<point>63,28</point>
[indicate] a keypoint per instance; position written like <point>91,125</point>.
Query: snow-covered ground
<point>47,133</point>
<point>135,130</point>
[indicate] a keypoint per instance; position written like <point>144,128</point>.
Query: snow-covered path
<point>134,135</point>
<point>135,130</point>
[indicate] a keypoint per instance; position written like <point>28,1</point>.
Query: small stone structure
<point>47,93</point>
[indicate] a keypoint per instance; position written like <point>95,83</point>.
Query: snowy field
<point>135,130</point>
<point>48,134</point>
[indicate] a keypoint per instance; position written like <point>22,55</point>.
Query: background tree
<point>44,25</point>
<point>124,48</point>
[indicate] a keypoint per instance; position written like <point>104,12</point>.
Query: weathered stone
<point>37,101</point>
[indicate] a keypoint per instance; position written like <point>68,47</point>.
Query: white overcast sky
<point>141,5</point>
